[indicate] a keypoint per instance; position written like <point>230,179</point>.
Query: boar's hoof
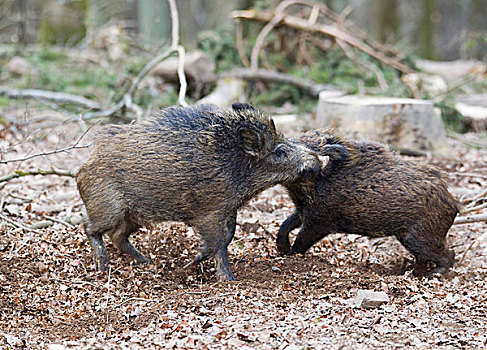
<point>227,276</point>
<point>284,248</point>
<point>101,263</point>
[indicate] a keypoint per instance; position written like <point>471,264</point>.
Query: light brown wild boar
<point>197,165</point>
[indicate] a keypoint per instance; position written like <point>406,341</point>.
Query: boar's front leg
<point>282,241</point>
<point>216,235</point>
<point>223,271</point>
<point>309,234</point>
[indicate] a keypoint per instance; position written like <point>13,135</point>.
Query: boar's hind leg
<point>100,254</point>
<point>428,248</point>
<point>282,241</point>
<point>119,237</point>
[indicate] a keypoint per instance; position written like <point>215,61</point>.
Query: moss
<point>62,23</point>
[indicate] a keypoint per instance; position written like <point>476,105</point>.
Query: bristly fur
<point>370,191</point>
<point>197,165</point>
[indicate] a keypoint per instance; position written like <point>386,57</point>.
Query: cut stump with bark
<point>399,122</point>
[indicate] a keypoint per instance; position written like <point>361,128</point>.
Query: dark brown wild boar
<point>367,190</point>
<point>197,165</point>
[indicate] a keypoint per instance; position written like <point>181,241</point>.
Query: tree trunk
<point>154,21</point>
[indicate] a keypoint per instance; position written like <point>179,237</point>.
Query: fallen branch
<point>325,29</point>
<point>160,301</point>
<point>67,224</point>
<point>467,210</point>
<point>306,85</point>
<point>42,95</point>
<point>32,172</point>
<point>19,225</point>
<point>470,219</point>
<point>482,176</point>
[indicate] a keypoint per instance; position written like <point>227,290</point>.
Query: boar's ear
<point>239,106</point>
<point>337,153</point>
<point>252,141</point>
<point>273,126</point>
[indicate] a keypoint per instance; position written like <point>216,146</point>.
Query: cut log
<point>474,109</point>
<point>402,123</point>
<point>451,70</point>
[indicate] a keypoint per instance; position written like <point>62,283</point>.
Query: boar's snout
<point>312,164</point>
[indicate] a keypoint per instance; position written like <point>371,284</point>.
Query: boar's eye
<point>280,153</point>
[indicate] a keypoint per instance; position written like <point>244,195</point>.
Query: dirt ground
<point>51,297</point>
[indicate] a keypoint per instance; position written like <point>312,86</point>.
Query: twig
<point>107,298</point>
<point>33,172</point>
<point>43,95</point>
<point>364,64</point>
<point>175,47</point>
<point>59,221</point>
<point>182,78</point>
<point>306,85</point>
<point>19,225</point>
<point>465,141</point>
<point>239,44</point>
<point>482,176</point>
<point>466,251</point>
<point>43,154</point>
<point>278,16</point>
<point>135,299</point>
<point>469,209</point>
<point>470,219</point>
<point>215,297</point>
<point>74,146</point>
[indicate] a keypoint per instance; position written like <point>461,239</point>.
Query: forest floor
<point>51,297</point>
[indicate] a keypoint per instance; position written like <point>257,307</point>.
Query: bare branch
<point>75,146</point>
<point>481,176</point>
<point>19,225</point>
<point>67,224</point>
<point>182,78</point>
<point>275,77</point>
<point>475,208</point>
<point>470,219</point>
<point>239,44</point>
<point>175,24</point>
<point>42,95</point>
<point>43,154</point>
<point>127,99</point>
<point>32,172</point>
<point>325,29</point>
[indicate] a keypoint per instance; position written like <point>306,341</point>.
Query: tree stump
<point>400,122</point>
<point>474,110</point>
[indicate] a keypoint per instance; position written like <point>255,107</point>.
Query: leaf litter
<point>51,297</point>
